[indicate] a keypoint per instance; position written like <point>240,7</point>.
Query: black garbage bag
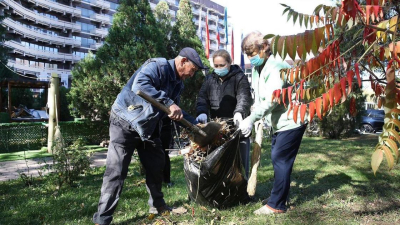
<point>218,180</point>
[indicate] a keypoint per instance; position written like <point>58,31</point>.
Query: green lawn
<point>332,183</point>
<point>29,154</point>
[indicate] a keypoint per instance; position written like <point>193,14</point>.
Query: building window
<point>177,2</point>
<point>113,5</point>
<point>86,12</point>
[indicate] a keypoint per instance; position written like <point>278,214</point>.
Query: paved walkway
<point>10,170</point>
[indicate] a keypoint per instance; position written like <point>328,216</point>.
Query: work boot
<point>164,210</point>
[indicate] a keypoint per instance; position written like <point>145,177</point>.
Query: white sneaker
<point>266,210</point>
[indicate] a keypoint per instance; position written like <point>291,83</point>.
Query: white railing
<point>31,69</point>
<point>213,36</point>
<point>99,32</point>
<point>222,30</point>
<point>96,46</point>
<point>212,27</point>
<point>152,5</point>
<point>30,15</point>
<point>101,4</point>
<point>41,54</point>
<point>172,2</point>
<point>195,11</point>
<point>101,18</point>
<point>26,32</point>
<point>65,9</point>
<point>221,21</point>
<point>213,18</point>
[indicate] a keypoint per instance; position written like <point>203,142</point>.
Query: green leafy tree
<point>85,74</point>
<point>4,71</point>
<point>163,17</point>
<point>133,38</point>
<point>65,114</point>
<point>22,96</point>
<point>184,35</point>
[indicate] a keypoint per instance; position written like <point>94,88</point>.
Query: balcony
<point>54,6</point>
<point>214,46</point>
<point>30,15</point>
<point>101,18</point>
<point>38,36</point>
<point>96,46</point>
<point>212,27</point>
<point>171,2</point>
<point>18,48</point>
<point>99,32</point>
<point>172,12</point>
<point>195,11</point>
<point>33,70</point>
<point>213,18</point>
<point>221,21</point>
<point>221,30</point>
<point>100,4</point>
<point>153,5</point>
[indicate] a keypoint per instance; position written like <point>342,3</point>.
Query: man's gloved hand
<point>202,118</point>
<point>237,118</point>
<point>246,126</point>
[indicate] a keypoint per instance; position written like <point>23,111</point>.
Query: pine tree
<point>132,39</point>
<point>163,17</point>
<point>184,35</point>
<point>4,71</point>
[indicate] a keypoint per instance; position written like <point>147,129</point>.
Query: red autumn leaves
<point>325,64</point>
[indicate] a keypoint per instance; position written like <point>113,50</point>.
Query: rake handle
<point>163,108</point>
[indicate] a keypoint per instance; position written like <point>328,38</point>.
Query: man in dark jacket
<point>135,124</point>
<point>226,94</point>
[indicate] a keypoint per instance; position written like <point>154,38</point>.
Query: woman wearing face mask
<point>226,94</point>
<point>287,135</point>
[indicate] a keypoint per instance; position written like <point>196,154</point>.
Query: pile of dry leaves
<point>198,153</point>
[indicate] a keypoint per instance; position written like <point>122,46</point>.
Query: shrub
<point>69,162</point>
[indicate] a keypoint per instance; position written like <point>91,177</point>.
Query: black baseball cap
<point>193,56</point>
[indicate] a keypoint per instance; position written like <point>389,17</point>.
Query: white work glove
<point>237,118</point>
<point>246,126</point>
<point>202,118</point>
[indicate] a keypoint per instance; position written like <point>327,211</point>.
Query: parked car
<point>372,121</point>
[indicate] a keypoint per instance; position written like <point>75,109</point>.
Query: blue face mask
<point>256,60</point>
<point>221,72</point>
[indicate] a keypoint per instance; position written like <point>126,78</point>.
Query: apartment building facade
<point>200,9</point>
<point>47,36</point>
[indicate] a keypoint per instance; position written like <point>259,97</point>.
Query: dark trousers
<point>123,141</point>
<point>244,146</point>
<point>167,143</point>
<point>285,146</point>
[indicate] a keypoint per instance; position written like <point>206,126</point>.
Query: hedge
<point>28,136</point>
